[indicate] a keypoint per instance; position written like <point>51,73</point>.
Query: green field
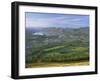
<point>63,55</point>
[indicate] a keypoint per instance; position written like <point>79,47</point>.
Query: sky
<point>44,20</point>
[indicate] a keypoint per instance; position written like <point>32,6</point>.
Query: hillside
<point>56,44</point>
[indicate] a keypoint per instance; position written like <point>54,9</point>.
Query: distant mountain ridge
<point>51,30</point>
<point>55,35</point>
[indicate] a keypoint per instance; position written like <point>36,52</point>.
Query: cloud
<point>36,23</point>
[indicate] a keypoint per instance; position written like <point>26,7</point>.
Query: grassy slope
<point>60,56</point>
<point>81,63</point>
